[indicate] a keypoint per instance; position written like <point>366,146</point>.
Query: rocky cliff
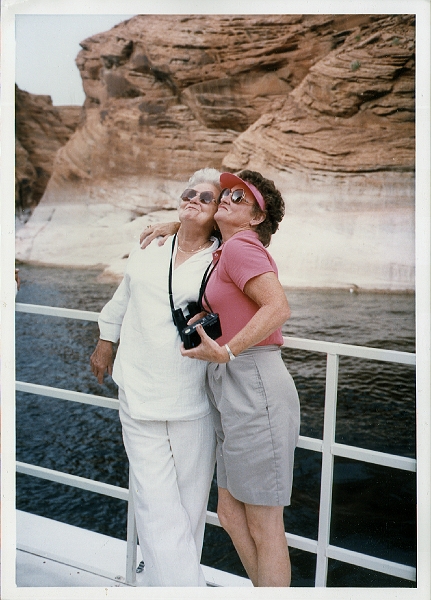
<point>41,130</point>
<point>323,104</point>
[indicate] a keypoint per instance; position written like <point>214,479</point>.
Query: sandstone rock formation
<point>41,130</point>
<point>323,104</point>
<point>353,113</point>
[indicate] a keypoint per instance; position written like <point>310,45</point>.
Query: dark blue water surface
<point>374,508</point>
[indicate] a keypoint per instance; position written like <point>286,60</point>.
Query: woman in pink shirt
<point>254,400</point>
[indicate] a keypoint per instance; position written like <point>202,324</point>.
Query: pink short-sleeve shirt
<point>237,261</point>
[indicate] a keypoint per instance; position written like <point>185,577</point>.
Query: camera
<point>180,320</point>
<point>188,333</point>
<point>211,325</point>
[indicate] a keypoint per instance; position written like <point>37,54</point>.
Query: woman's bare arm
<point>266,291</point>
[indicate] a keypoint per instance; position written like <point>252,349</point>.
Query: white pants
<point>171,466</point>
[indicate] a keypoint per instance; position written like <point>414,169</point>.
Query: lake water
<point>374,508</point>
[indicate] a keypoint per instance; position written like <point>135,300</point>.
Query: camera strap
<point>204,282</point>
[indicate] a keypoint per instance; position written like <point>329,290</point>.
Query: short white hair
<point>206,175</point>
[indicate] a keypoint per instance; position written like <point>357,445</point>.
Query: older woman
<point>164,410</point>
<point>254,399</point>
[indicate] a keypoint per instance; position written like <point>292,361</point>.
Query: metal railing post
<point>326,482</point>
<point>132,535</point>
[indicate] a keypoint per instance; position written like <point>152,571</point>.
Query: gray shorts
<point>255,409</point>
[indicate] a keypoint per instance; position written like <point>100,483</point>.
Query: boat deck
<point>54,554</point>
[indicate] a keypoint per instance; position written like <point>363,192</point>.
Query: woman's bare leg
<point>233,519</point>
<point>258,534</point>
<point>266,527</point>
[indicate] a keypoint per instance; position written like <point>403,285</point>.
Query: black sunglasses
<point>205,197</point>
<point>236,197</point>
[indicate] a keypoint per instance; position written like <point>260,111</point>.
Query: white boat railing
<point>326,446</point>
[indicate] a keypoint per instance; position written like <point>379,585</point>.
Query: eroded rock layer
<point>166,94</point>
<point>353,114</point>
<point>323,104</point>
<point>41,130</point>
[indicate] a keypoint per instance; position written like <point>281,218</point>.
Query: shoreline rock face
<point>41,130</point>
<point>359,250</point>
<point>322,104</point>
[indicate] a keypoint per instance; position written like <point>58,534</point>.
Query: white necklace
<point>193,251</point>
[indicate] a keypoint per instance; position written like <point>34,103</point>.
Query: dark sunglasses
<point>205,197</point>
<point>236,197</point>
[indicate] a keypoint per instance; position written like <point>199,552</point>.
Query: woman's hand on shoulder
<point>208,349</point>
<point>160,230</point>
